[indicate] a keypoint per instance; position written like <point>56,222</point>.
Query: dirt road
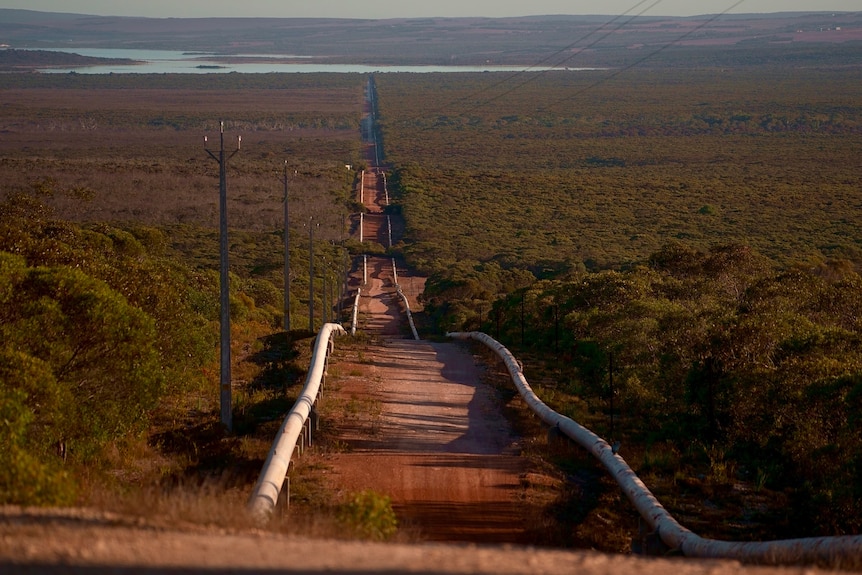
<point>52,542</point>
<point>441,449</point>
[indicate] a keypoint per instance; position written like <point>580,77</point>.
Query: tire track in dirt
<point>439,446</point>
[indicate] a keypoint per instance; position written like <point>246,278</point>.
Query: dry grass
<point>137,145</point>
<point>141,150</point>
<point>188,472</point>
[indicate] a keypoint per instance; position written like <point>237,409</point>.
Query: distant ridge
<point>587,40</point>
<point>20,16</point>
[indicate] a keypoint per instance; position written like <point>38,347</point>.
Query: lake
<point>177,62</point>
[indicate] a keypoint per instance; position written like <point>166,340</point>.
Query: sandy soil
<point>37,542</point>
<point>441,449</point>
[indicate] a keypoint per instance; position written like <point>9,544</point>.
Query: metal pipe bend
<point>671,532</point>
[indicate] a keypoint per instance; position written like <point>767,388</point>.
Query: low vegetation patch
<point>672,256</point>
<point>109,280</point>
<point>370,515</point>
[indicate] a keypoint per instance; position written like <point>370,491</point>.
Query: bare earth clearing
<point>439,446</point>
<point>42,542</point>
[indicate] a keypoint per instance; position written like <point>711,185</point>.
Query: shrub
<point>98,349</point>
<point>29,473</point>
<point>369,515</point>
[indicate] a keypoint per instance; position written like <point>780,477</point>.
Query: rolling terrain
<point>557,195</point>
<point>561,41</point>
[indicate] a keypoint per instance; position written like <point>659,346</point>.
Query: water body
<point>176,62</point>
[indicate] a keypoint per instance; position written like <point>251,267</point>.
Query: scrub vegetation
<point>109,277</point>
<point>675,256</point>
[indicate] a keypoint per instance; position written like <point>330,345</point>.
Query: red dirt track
<point>440,448</point>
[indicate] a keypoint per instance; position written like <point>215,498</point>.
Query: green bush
<point>369,515</point>
<point>99,349</point>
<point>29,473</point>
<point>94,330</point>
<point>182,302</point>
<point>718,349</point>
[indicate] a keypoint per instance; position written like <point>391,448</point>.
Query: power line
<point>590,45</point>
<point>560,51</point>
<point>660,49</point>
<point>569,47</point>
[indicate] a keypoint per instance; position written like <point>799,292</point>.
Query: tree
<point>29,396</point>
<point>98,348</point>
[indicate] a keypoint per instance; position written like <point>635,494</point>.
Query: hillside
<point>681,229</point>
<point>613,40</point>
<point>12,60</point>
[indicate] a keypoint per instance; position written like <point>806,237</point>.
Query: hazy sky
<point>411,8</point>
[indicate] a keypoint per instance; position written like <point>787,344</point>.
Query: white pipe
<point>674,535</point>
<point>361,222</point>
<point>389,227</point>
<point>365,269</point>
<point>409,314</point>
<point>355,313</point>
<point>264,497</point>
<point>404,298</point>
<point>385,188</point>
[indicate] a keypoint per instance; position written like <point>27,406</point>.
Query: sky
<point>375,9</point>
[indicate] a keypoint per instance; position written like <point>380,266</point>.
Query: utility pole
<point>286,254</point>
<point>523,295</point>
<point>311,274</point>
<point>224,279</point>
<point>323,312</point>
<point>556,327</point>
<point>611,382</point>
<point>332,281</point>
<point>343,282</point>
